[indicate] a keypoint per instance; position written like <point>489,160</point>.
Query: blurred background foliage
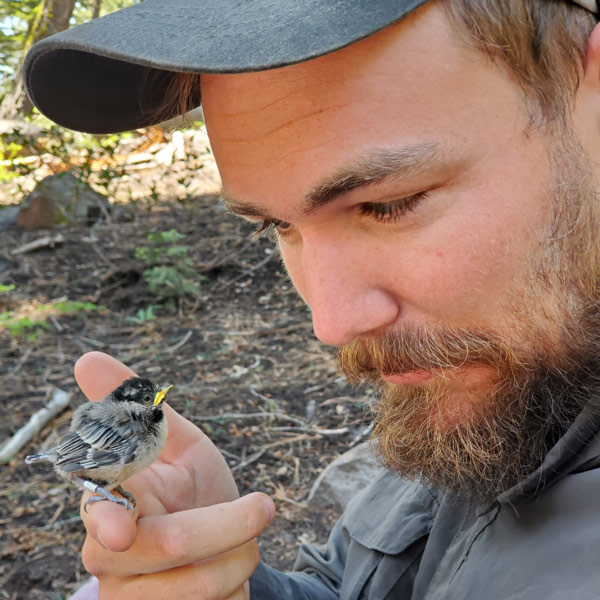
<point>33,150</point>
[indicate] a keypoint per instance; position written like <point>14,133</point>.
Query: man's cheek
<point>293,268</point>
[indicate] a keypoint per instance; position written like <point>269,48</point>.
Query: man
<point>431,171</point>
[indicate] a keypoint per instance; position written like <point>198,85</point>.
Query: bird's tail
<point>35,457</point>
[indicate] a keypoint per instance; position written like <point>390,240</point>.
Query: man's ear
<point>585,114</point>
<point>592,59</point>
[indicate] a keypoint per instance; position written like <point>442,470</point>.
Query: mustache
<point>427,348</point>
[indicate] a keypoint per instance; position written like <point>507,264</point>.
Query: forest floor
<point>243,346</point>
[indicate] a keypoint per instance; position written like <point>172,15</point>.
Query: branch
<point>42,242</point>
<point>254,457</point>
<point>60,400</point>
<point>315,431</point>
<point>257,415</point>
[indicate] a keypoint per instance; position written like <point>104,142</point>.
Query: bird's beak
<point>160,395</point>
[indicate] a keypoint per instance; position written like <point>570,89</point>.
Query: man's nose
<point>347,297</point>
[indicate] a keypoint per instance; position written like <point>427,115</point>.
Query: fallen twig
<point>56,324</point>
<point>181,342</point>
<point>362,435</point>
<point>59,401</point>
<point>254,457</point>
<point>241,371</point>
<point>257,415</point>
<point>57,524</point>
<point>42,242</point>
<point>315,431</point>
<point>261,396</point>
<point>22,360</point>
<point>249,271</point>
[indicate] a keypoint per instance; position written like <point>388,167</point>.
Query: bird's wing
<point>97,443</point>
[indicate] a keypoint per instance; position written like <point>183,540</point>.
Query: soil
<point>243,346</point>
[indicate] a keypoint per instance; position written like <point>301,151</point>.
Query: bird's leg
<point>126,494</point>
<point>104,494</point>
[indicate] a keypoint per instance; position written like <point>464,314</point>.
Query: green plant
<point>25,326</point>
<point>170,272</point>
<point>71,306</point>
<point>143,315</point>
<point>31,326</point>
<point>9,155</point>
<point>4,289</point>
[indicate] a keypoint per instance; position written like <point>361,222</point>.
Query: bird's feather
<point>94,443</point>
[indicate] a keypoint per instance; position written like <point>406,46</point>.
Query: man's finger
<point>111,525</point>
<point>98,374</point>
<point>170,541</point>
<point>220,577</point>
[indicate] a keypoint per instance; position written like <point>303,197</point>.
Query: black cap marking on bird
<point>137,389</point>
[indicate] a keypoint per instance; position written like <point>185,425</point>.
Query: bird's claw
<point>127,495</point>
<point>111,498</point>
<point>122,501</point>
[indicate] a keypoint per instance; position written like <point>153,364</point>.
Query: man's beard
<point>479,436</point>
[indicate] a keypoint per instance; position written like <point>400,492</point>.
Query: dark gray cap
<point>111,74</point>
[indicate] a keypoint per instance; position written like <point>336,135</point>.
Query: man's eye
<point>389,212</point>
<point>273,226</point>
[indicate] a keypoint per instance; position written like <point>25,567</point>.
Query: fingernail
<point>269,508</point>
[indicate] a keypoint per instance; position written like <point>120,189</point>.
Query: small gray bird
<point>111,440</point>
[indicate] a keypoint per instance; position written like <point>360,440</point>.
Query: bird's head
<point>141,390</point>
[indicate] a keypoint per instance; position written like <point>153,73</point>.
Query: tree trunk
<point>96,9</point>
<point>51,17</point>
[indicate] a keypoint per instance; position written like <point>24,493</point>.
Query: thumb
<point>111,525</point>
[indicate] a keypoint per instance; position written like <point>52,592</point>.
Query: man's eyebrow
<point>374,167</point>
<point>241,208</point>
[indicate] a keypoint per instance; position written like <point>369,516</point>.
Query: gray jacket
<point>403,540</point>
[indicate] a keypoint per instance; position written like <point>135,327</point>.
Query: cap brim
<point>111,74</point>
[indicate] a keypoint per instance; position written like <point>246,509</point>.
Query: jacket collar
<point>577,449</point>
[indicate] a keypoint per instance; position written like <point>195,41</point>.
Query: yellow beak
<point>160,395</point>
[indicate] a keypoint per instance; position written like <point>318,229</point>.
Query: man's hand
<point>192,536</point>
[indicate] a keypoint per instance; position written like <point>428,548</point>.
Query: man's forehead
<point>413,35</point>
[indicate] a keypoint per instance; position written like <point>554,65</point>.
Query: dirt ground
<point>244,346</point>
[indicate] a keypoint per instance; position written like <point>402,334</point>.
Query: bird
<point>110,440</point>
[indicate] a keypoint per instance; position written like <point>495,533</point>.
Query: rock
<point>197,141</point>
<point>165,155</point>
<point>345,477</point>
<point>61,199</point>
<point>178,141</point>
<point>140,157</point>
<point>8,217</point>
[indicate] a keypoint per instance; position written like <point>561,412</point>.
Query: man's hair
<point>541,42</point>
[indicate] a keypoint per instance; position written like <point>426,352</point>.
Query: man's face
<point>413,203</point>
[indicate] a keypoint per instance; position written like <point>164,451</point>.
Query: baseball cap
<point>111,74</point>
